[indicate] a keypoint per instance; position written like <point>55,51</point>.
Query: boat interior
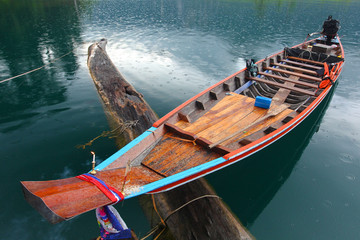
<point>225,118</point>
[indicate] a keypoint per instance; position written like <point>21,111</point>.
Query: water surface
<point>306,186</point>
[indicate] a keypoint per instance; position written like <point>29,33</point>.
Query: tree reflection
<point>32,33</point>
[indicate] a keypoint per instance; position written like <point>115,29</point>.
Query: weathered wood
<point>188,155</point>
<point>273,111</point>
<point>296,81</point>
<point>180,224</point>
<point>229,107</point>
<point>311,72</point>
<point>206,217</point>
<point>123,102</point>
<point>316,79</point>
<point>301,64</point>
<point>280,85</point>
<point>51,198</point>
<point>306,60</point>
<point>282,93</point>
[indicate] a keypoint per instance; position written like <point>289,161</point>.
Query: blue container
<point>262,102</point>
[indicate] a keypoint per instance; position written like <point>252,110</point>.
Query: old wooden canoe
<point>216,128</point>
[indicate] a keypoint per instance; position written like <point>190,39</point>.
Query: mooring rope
<point>118,130</point>
<point>36,69</point>
<point>163,221</point>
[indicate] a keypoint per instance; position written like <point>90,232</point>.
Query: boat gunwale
<point>175,180</point>
<point>241,152</point>
<point>163,119</point>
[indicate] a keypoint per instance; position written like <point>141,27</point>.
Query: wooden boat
<point>216,128</point>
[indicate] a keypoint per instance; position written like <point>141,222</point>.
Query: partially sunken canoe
<point>216,128</point>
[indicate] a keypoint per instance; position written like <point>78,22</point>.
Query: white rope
<point>36,69</point>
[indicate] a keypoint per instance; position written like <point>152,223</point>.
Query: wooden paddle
<point>273,111</point>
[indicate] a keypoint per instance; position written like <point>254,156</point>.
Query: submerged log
<point>192,211</point>
<point>124,105</point>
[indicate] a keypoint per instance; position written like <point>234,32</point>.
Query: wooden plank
<point>228,107</point>
<point>256,128</point>
<point>295,81</point>
<point>272,112</point>
<point>299,69</point>
<point>306,60</point>
<point>316,79</point>
<point>180,132</point>
<point>226,127</point>
<point>301,64</point>
<point>282,93</point>
<point>172,156</point>
<point>280,85</point>
<point>62,199</point>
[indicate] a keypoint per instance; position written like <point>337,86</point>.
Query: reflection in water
<point>32,34</point>
<point>170,50</point>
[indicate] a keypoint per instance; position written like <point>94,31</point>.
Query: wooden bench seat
<point>298,69</point>
<point>306,60</point>
<point>301,64</point>
<point>304,76</point>
<point>280,85</point>
<point>297,82</point>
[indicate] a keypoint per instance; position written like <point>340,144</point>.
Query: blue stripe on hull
<point>177,177</point>
<point>123,150</point>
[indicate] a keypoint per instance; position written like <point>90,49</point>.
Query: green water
<point>306,186</point>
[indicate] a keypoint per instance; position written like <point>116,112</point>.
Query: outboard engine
<point>330,29</point>
<point>251,67</point>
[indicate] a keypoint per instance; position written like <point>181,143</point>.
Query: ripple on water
<point>327,203</point>
<point>346,158</point>
<point>351,177</point>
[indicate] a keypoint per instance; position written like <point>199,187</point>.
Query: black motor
<point>330,28</point>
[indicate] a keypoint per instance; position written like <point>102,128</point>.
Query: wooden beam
<point>316,79</point>
<point>306,60</point>
<point>281,95</point>
<point>280,85</point>
<point>296,68</point>
<point>297,82</point>
<point>301,64</point>
<point>182,133</point>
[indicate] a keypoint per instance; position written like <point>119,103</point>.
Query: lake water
<point>306,186</point>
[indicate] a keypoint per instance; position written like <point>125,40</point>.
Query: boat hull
<point>216,128</point>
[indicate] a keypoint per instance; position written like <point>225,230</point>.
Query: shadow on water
<point>251,184</point>
<point>32,34</point>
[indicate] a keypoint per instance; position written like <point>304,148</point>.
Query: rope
<point>163,221</point>
<point>36,69</point>
<point>111,134</point>
<point>154,204</point>
<point>198,198</point>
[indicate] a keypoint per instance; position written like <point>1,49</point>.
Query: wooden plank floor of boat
<point>233,113</point>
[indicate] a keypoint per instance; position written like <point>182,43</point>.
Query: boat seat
<point>280,85</point>
<point>301,64</point>
<point>311,72</point>
<point>304,76</point>
<point>180,132</point>
<point>305,84</point>
<point>306,60</point>
<point>197,140</point>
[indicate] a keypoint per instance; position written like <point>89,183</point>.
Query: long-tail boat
<point>220,126</point>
